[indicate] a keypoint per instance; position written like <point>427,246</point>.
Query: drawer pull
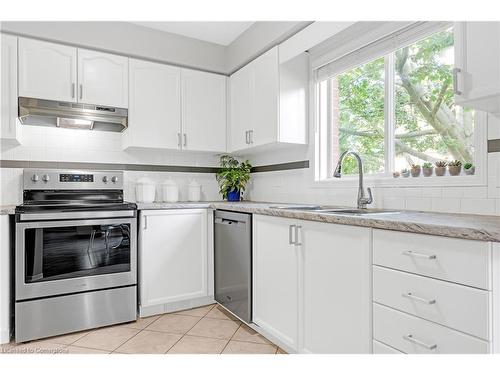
<point>419,299</point>
<point>413,340</point>
<point>419,255</point>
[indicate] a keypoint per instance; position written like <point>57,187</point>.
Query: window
<point>394,110</point>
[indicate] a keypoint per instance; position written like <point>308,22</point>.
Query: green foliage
<point>468,165</point>
<point>455,163</point>
<point>427,165</point>
<point>441,163</point>
<point>232,175</point>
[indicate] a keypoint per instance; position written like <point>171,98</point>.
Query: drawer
<point>380,348</point>
<point>460,261</point>
<point>456,306</point>
<point>414,335</point>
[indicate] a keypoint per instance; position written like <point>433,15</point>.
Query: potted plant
<point>440,167</point>
<point>427,169</point>
<point>455,167</point>
<point>415,170</point>
<point>395,174</point>
<point>232,177</point>
<point>469,168</point>
<point>405,172</point>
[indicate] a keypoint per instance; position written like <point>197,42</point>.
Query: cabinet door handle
<point>456,90</point>
<point>246,137</point>
<point>145,222</point>
<point>185,140</point>
<point>411,296</point>
<point>290,234</point>
<point>413,340</point>
<point>73,88</point>
<point>81,91</point>
<point>250,137</point>
<point>179,140</point>
<point>419,255</point>
<point>297,242</point>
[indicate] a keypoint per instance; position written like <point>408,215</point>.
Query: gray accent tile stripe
<point>140,167</point>
<point>494,145</point>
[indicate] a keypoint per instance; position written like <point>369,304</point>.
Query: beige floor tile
<point>216,328</point>
<point>245,333</point>
<point>141,323</point>
<point>241,347</point>
<point>149,342</point>
<point>219,313</point>
<point>198,345</point>
<point>106,338</point>
<point>67,339</point>
<point>173,323</point>
<point>198,311</point>
<point>78,350</point>
<point>34,347</point>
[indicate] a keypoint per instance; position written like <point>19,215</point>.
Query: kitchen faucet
<point>362,200</point>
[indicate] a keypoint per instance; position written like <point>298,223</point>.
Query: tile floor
<point>203,330</point>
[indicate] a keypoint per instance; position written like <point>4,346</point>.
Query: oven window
<point>76,251</point>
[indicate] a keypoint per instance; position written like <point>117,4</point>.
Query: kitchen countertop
<point>7,209</point>
<point>471,227</point>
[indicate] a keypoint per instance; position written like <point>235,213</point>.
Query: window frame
<point>322,159</point>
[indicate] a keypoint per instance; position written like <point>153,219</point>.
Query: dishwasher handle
<point>223,221</point>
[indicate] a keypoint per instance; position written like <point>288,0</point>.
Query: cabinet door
<point>173,251</point>
<point>8,96</point>
<point>240,110</point>
<point>275,279</point>
<point>265,98</point>
<point>335,264</point>
<point>102,78</point>
<point>155,106</point>
<point>47,70</point>
<point>203,111</point>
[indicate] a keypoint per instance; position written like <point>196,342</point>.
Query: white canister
<point>194,191</point>
<point>169,191</point>
<point>145,190</point>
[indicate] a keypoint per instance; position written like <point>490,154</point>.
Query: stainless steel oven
<point>75,253</point>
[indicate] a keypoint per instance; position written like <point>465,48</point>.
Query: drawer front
<point>461,261</point>
<point>413,335</point>
<point>380,348</point>
<point>455,306</point>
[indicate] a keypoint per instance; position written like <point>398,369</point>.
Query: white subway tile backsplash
<point>478,206</point>
<point>446,205</point>
<point>418,204</point>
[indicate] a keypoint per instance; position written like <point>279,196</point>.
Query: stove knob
<point>114,179</point>
<point>105,179</point>
<point>46,178</point>
<point>34,178</point>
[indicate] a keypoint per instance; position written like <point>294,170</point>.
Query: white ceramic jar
<point>194,191</point>
<point>169,191</point>
<point>145,190</point>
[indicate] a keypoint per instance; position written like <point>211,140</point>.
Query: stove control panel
<point>66,177</point>
<point>35,179</point>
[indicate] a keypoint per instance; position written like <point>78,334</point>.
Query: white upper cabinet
<point>47,70</point>
<point>9,132</point>
<point>155,106</point>
<point>102,78</point>
<point>477,65</point>
<point>268,102</point>
<point>203,111</point>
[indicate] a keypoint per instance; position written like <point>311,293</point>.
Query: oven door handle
<point>77,215</point>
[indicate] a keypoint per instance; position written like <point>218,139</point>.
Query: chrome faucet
<point>362,200</point>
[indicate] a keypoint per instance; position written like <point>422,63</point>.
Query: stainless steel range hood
<point>71,115</point>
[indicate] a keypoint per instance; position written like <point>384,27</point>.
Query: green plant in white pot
<point>469,169</point>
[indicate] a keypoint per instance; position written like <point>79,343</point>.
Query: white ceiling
<point>215,32</point>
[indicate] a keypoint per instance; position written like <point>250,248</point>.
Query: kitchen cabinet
<point>477,65</point>
<point>9,131</point>
<point>203,111</point>
<point>175,260</point>
<point>47,70</point>
<point>102,78</point>
<point>155,106</point>
<point>312,285</point>
<point>268,102</point>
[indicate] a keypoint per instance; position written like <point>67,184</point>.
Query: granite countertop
<point>7,209</point>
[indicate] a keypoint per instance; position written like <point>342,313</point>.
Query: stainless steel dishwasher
<point>233,262</point>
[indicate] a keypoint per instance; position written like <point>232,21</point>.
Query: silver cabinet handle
<point>185,140</point>
<point>81,91</point>
<point>250,137</point>
<point>246,138</point>
<point>413,340</point>
<point>456,71</point>
<point>179,140</point>
<point>418,299</point>
<point>290,234</point>
<point>145,222</point>
<point>297,227</point>
<point>419,255</point>
<point>73,93</point>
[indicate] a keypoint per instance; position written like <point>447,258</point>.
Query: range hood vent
<point>71,115</point>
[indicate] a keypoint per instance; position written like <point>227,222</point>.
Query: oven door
<point>70,256</point>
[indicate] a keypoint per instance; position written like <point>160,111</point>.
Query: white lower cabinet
<point>175,260</point>
<point>312,285</point>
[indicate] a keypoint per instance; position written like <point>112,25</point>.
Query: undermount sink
<point>336,211</point>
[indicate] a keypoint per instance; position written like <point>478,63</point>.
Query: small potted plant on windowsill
<point>405,172</point>
<point>427,169</point>
<point>455,167</point>
<point>469,169</point>
<point>440,167</point>
<point>232,177</point>
<point>415,170</point>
